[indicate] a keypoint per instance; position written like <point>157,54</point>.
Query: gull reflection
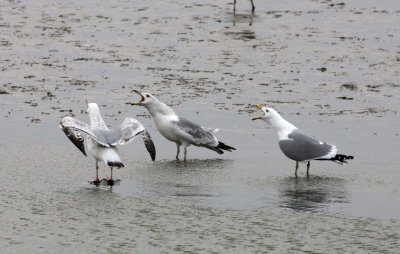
<point>243,18</point>
<point>315,194</point>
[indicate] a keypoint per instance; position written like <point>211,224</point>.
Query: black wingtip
<point>343,158</point>
<point>148,142</point>
<point>339,158</point>
<point>225,147</point>
<point>75,138</point>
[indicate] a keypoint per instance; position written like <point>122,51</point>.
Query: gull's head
<point>269,113</point>
<point>145,99</point>
<point>92,108</point>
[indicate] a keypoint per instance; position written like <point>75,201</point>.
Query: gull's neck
<point>158,108</point>
<point>96,121</point>
<point>282,127</point>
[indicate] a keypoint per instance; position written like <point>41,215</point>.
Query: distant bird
<point>101,141</point>
<point>253,7</point>
<point>298,145</point>
<point>178,129</point>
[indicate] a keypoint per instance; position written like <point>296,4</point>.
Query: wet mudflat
<point>329,67</point>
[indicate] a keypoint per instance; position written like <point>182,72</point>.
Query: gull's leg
<point>111,181</point>
<point>297,167</point>
<point>177,151</point>
<point>252,6</point>
<point>96,181</point>
<point>97,172</point>
<point>308,168</point>
<point>185,153</point>
<point>234,5</point>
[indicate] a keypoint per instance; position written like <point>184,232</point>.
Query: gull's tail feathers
<point>115,164</point>
<point>221,146</point>
<point>339,158</point>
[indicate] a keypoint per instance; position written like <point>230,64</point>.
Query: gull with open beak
<point>178,129</point>
<point>298,145</point>
<point>101,141</point>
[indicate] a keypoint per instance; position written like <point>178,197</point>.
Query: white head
<point>153,105</point>
<point>269,114</point>
<point>273,118</point>
<point>146,99</point>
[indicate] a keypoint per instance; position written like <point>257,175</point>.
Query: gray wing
<point>200,135</point>
<point>127,132</point>
<point>71,127</point>
<point>302,146</point>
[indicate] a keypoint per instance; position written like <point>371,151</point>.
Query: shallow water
<point>330,69</point>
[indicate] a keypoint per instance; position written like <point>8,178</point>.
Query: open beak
<point>141,98</point>
<point>257,118</point>
<point>258,106</point>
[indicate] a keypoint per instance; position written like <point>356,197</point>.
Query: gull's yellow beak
<point>141,98</point>
<point>258,106</point>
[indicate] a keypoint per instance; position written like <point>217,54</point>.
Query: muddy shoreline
<point>331,68</point>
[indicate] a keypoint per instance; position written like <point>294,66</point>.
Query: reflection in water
<point>244,35</point>
<point>243,18</point>
<point>189,179</point>
<point>314,194</point>
<point>194,178</point>
<point>185,190</point>
<point>188,166</point>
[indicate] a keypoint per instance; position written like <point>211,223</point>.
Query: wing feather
<point>73,125</point>
<point>200,135</point>
<point>128,131</point>
<point>76,138</point>
<point>148,142</point>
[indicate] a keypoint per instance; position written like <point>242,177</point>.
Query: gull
<point>253,7</point>
<point>101,141</point>
<point>178,129</point>
<point>298,145</point>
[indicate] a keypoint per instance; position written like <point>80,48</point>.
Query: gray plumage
<point>298,145</point>
<point>124,134</point>
<point>200,135</point>
<point>101,141</point>
<point>302,146</point>
<point>178,129</point>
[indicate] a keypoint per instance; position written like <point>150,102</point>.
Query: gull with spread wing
<point>101,141</point>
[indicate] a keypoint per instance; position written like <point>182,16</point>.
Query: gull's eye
<point>148,96</point>
<point>266,110</point>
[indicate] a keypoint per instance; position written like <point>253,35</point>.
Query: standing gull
<point>178,129</point>
<point>101,141</point>
<point>298,145</point>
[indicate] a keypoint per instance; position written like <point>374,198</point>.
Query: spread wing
<point>129,130</point>
<point>200,135</point>
<point>71,127</point>
<point>75,137</point>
